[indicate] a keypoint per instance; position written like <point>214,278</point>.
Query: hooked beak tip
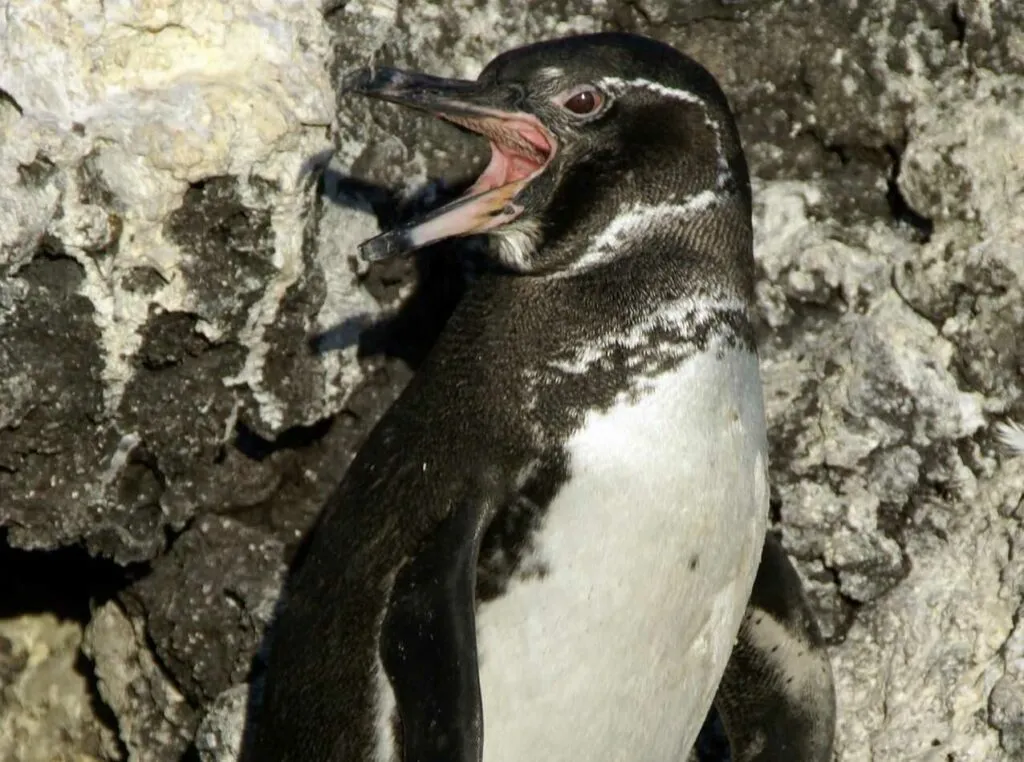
<point>370,80</point>
<point>385,246</point>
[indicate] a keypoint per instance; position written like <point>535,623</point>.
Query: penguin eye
<point>584,102</point>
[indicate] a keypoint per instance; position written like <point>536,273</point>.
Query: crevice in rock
<point>897,283</point>
<point>100,709</point>
<point>956,15</point>
<point>6,97</point>
<point>636,7</point>
<point>254,446</point>
<point>93,188</point>
<point>849,609</point>
<point>67,582</point>
<point>36,172</point>
<point>774,507</point>
<point>834,611</point>
<point>333,6</point>
<point>52,269</point>
<point>901,211</point>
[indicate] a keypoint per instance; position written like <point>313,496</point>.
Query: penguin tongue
<point>520,150</point>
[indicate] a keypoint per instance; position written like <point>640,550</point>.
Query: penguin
<point>550,544</point>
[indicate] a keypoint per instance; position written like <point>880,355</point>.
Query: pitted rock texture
<point>190,352</point>
<point>153,720</point>
<point>160,266</point>
<point>230,573</point>
<point>45,713</point>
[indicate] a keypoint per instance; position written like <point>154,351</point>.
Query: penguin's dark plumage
<point>587,435</point>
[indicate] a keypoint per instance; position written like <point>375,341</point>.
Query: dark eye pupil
<point>582,103</point>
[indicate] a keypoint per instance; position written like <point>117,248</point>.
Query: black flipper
<point>428,645</point>
<point>777,699</point>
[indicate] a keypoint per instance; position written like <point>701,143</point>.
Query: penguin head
<point>594,138</point>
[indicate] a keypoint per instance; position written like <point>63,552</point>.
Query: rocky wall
<point>190,353</point>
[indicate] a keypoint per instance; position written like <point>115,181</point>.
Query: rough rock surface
<point>189,353</point>
<point>153,719</point>
<point>161,273</point>
<point>45,704</point>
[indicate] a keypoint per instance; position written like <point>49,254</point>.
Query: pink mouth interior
<point>520,148</point>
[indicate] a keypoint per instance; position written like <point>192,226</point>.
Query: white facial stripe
<point>617,86</point>
<point>551,73</point>
<point>634,219</point>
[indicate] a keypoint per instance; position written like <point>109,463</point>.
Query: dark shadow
<point>901,211</point>
<point>100,709</point>
<point>66,582</point>
<point>436,273</point>
<point>712,743</point>
<point>256,447</point>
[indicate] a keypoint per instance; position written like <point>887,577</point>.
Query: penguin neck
<point>702,244</point>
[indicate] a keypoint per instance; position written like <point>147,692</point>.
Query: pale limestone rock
<point>219,738</point>
<point>154,721</point>
<point>918,669</point>
<point>871,424</point>
<point>147,98</point>
<point>46,712</point>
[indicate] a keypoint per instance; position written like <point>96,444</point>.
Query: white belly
<point>650,549</point>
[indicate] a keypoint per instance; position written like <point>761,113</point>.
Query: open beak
<point>521,148</point>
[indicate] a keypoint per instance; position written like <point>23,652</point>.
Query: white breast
<point>651,549</point>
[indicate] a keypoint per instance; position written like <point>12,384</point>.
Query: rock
<point>956,170</point>
<point>154,722</point>
<point>219,738</point>
<point>159,252</point>
<point>919,670</point>
<point>859,392</point>
<point>207,602</point>
<point>46,712</point>
<point>1006,702</point>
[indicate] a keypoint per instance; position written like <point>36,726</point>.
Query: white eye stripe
<point>551,73</point>
<point>618,86</point>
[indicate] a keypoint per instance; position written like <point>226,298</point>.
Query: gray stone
<point>207,602</point>
<point>219,738</point>
<point>918,672</point>
<point>160,267</point>
<point>154,721</point>
<point>46,712</point>
<point>1006,702</point>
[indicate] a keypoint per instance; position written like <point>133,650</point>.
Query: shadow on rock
<point>436,275</point>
